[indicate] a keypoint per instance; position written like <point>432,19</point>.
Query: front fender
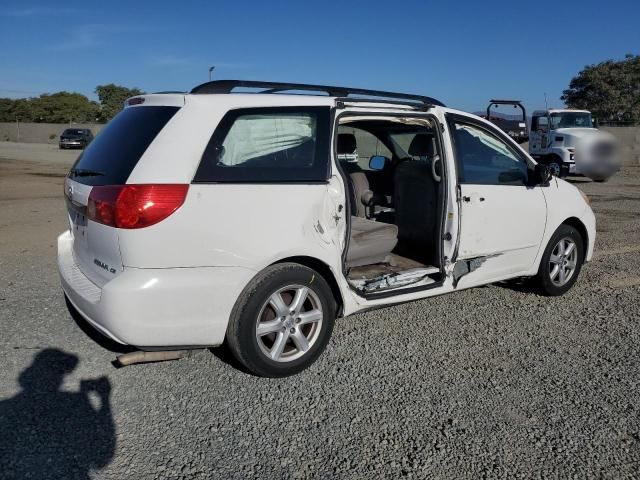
<point>564,202</point>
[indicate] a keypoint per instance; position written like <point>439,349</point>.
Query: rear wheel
<point>282,321</point>
<point>561,262</point>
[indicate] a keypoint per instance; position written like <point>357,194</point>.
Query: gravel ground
<point>491,382</point>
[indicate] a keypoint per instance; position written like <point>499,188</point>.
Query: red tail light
<point>134,206</point>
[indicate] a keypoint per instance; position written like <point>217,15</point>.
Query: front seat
<point>360,194</point>
<point>370,241</point>
<point>416,200</point>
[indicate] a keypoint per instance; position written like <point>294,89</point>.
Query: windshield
<point>70,131</point>
<point>571,120</point>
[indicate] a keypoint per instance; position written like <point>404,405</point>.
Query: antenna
<point>211,70</point>
<point>546,105</point>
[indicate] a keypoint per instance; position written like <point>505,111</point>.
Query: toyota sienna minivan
<point>256,213</point>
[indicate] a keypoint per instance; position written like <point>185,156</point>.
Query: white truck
<point>568,141</point>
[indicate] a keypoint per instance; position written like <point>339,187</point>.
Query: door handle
<point>468,199</point>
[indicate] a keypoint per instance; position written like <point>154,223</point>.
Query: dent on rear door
<point>331,225</point>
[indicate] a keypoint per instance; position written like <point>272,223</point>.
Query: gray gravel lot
<point>492,382</point>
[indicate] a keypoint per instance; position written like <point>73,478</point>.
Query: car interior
<point>395,188</point>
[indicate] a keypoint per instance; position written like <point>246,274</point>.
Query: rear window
<point>283,144</point>
<point>112,156</point>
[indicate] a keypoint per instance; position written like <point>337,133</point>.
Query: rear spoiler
<point>168,99</point>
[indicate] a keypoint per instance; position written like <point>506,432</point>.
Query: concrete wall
<point>629,138</point>
<point>39,132</point>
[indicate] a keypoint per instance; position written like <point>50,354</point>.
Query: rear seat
<point>371,241</point>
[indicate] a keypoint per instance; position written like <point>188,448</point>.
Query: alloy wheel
<point>563,261</point>
<point>289,323</point>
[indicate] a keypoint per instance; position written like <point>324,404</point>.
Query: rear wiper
<point>82,172</point>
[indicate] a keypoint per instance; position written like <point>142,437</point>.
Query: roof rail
<point>227,86</point>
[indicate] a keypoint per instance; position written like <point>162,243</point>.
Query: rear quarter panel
<point>246,225</point>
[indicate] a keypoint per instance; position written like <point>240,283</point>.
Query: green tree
<point>63,107</point>
<point>610,90</point>
<point>7,107</point>
<point>112,99</point>
<point>22,110</point>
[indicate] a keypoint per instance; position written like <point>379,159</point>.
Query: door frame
<point>341,112</point>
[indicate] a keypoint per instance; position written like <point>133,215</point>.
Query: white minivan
<point>256,213</point>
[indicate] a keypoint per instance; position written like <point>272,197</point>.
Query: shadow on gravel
<point>95,335</point>
<point>223,354</point>
<point>522,285</point>
<point>50,433</point>
<point>578,180</point>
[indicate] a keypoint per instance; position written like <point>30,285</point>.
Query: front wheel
<point>282,321</point>
<point>561,262</point>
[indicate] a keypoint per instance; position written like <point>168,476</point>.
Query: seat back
<point>416,200</point>
<point>359,190</point>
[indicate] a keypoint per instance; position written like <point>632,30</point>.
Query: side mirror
<point>543,174</point>
<point>377,162</point>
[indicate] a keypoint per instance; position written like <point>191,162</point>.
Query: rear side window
<point>113,154</point>
<point>285,144</point>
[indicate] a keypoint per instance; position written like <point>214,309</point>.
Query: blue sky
<point>462,52</point>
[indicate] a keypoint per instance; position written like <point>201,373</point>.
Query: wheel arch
<point>582,230</point>
<point>324,270</point>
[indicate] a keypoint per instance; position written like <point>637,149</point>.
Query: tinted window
<point>111,156</point>
<point>484,159</point>
<point>539,123</point>
<point>268,145</point>
<point>571,120</point>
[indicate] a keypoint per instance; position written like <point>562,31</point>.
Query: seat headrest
<point>346,143</point>
<point>422,145</point>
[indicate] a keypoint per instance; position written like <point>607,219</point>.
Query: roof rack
<point>227,86</point>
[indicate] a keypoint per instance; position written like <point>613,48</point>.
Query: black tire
<point>241,332</point>
<point>544,280</point>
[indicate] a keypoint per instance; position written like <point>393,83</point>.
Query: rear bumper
<point>167,307</point>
